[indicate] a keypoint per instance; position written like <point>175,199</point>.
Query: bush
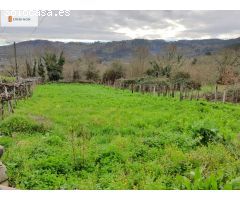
<point>174,161</point>
<point>114,73</point>
<point>205,133</point>
<point>54,65</point>
<point>196,181</point>
<point>92,73</point>
<point>183,79</point>
<point>214,157</point>
<point>162,140</point>
<point>54,140</point>
<point>180,78</point>
<point>109,160</point>
<point>55,164</point>
<point>7,79</point>
<point>18,124</point>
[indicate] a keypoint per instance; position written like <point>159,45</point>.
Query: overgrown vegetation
<point>54,65</point>
<point>73,136</point>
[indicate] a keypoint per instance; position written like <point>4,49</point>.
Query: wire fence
<point>10,93</point>
<point>182,92</point>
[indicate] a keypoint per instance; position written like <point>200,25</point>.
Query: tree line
<point>222,67</point>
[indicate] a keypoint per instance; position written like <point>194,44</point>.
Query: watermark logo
<point>11,18</point>
<point>28,18</point>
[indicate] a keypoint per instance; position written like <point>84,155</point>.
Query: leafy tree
<point>180,77</point>
<point>155,71</point>
<point>167,64</point>
<point>54,65</point>
<point>114,73</point>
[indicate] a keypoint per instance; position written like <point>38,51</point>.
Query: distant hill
<point>116,49</point>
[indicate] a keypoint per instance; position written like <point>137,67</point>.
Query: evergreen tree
<point>54,65</point>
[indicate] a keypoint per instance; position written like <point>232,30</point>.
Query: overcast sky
<point>124,25</point>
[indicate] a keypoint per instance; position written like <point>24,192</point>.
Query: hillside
<point>115,49</point>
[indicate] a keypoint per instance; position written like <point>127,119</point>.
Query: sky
<point>89,26</point>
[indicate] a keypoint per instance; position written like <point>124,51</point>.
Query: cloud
<point>122,25</point>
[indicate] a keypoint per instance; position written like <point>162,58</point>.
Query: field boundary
<point>10,93</point>
<point>227,95</point>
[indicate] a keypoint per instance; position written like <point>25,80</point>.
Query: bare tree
<point>228,66</point>
<point>140,61</point>
<point>167,64</point>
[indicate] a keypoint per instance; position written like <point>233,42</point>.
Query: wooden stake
<point>224,96</point>
<point>215,95</point>
<point>15,57</point>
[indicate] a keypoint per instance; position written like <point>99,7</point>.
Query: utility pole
<point>15,57</point>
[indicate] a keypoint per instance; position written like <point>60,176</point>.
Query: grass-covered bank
<point>73,136</point>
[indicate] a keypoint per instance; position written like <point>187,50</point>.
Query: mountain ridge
<point>116,49</point>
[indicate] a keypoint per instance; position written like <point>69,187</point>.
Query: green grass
<point>77,136</point>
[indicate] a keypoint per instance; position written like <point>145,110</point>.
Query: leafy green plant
<point>196,181</point>
<point>205,133</point>
<point>19,124</point>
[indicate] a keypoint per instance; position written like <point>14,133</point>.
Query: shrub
<point>174,161</point>
<point>55,164</point>
<point>109,161</point>
<point>108,157</point>
<point>180,78</point>
<point>18,124</point>
<point>205,133</point>
<point>196,181</point>
<point>92,73</point>
<point>163,139</point>
<point>54,65</point>
<point>115,72</point>
<point>54,140</point>
<point>214,157</point>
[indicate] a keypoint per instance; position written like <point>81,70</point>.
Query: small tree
<point>76,75</point>
<point>41,69</point>
<point>228,66</point>
<point>140,60</point>
<point>54,65</point>
<point>114,73</point>
<point>167,64</point>
<point>28,69</point>
<point>34,71</point>
<point>92,73</point>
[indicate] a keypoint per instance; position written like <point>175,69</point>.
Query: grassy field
<point>73,136</point>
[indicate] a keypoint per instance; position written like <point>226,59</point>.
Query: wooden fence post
<point>215,94</point>
<point>180,93</point>
<point>191,95</point>
<point>2,109</point>
<point>14,95</point>
<point>224,96</point>
<point>143,89</point>
<point>236,96</point>
<point>154,90</point>
<point>198,95</point>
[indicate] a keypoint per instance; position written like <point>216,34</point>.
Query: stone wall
<point>3,170</point>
